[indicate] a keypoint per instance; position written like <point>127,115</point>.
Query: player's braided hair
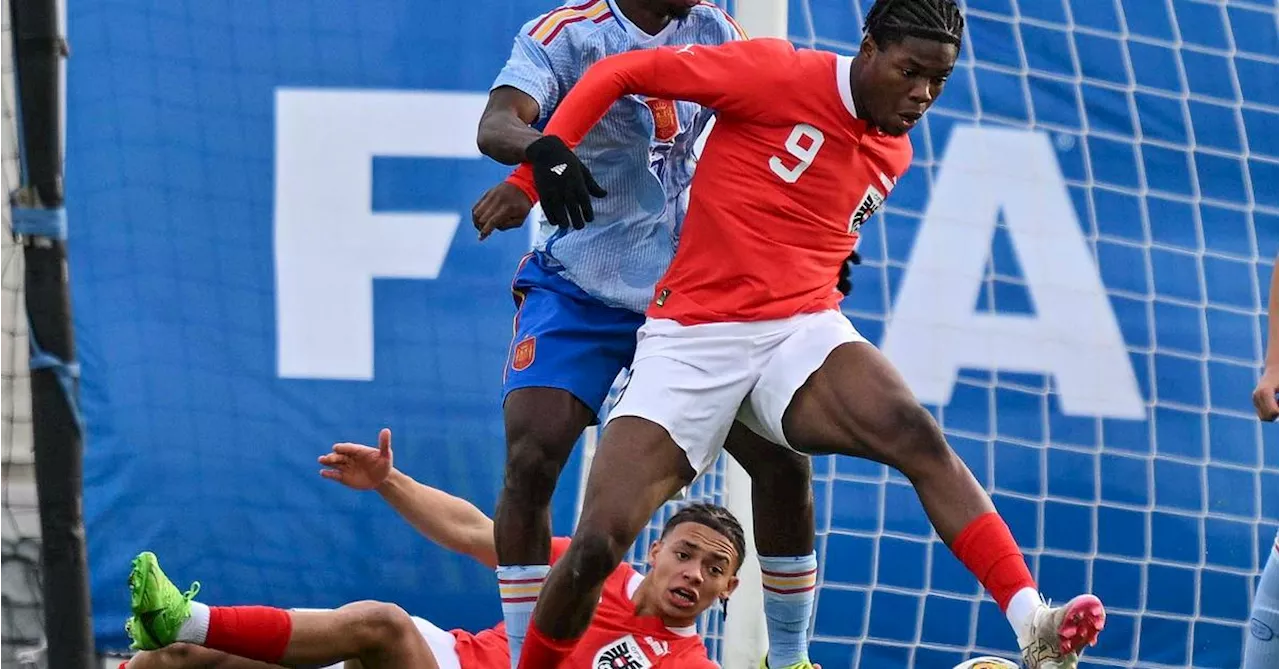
<point>715,517</point>
<point>891,21</point>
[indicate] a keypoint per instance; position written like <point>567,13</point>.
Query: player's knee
<point>532,470</point>
<point>791,470</point>
<point>375,625</point>
<point>910,439</point>
<point>763,460</point>
<point>785,473</point>
<point>594,554</point>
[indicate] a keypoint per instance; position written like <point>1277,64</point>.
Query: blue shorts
<point>564,338</point>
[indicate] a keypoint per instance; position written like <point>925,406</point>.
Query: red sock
<point>543,652</point>
<point>254,632</point>
<point>987,548</point>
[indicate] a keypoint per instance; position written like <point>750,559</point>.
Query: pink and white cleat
<point>1057,635</point>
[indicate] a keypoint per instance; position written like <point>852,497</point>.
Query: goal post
<point>38,219</point>
<point>745,634</point>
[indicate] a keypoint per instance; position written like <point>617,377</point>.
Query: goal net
<point>1162,115</point>
<point>20,609</point>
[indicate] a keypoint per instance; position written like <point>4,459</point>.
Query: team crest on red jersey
<point>522,357</point>
<point>666,125</point>
<point>624,653</point>
<point>870,202</point>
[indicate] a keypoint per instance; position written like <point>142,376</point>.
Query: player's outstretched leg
<point>377,634</point>
<point>857,404</point>
<point>636,468</point>
<point>782,516</point>
<point>542,426</point>
<point>1260,647</point>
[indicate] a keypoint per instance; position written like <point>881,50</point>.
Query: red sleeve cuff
<point>522,178</point>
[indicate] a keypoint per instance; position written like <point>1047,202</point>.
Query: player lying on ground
<point>745,322</point>
<point>695,554</point>
<point>581,297</point>
<point>641,621</point>
<point>1260,649</point>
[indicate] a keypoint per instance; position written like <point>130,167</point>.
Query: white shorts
<point>694,380</point>
<point>440,641</point>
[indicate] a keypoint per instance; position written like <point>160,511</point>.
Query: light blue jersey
<point>641,152</point>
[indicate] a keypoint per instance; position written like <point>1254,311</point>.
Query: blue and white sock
<point>789,585</point>
<point>519,586</point>
<point>1260,647</point>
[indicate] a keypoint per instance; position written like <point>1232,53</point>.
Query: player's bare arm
<point>504,133</point>
<point>502,207</point>
<point>448,521</point>
<point>506,125</point>
<point>1264,396</point>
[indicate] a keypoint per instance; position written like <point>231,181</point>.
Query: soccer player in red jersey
<point>745,324</point>
<point>642,621</point>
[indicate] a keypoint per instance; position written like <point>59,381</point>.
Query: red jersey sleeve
<point>559,546</point>
<point>737,79</point>
<point>522,178</point>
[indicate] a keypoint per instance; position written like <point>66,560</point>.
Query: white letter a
<point>1073,335</point>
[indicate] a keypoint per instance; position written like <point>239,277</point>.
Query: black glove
<point>564,184</point>
<point>843,283</point>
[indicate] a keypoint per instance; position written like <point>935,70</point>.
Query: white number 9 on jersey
<point>803,143</point>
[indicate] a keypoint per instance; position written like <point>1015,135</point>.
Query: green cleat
<point>159,608</point>
<point>141,640</point>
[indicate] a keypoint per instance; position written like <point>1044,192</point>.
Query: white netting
<point>1163,116</point>
<point>22,621</point>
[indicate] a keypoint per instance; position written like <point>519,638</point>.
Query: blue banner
<point>202,447</point>
<point>271,251</point>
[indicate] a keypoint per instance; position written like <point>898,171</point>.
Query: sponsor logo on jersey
<point>624,653</point>
<point>522,357</point>
<point>666,124</point>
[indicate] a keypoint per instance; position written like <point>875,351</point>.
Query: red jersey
<point>616,639</point>
<point>786,179</point>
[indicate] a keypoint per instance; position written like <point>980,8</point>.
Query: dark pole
<point>39,219</point>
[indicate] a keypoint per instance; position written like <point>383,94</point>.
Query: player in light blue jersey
<point>580,297</point>
<point>1262,648</point>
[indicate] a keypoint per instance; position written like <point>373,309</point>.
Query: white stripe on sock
<point>195,628</point>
